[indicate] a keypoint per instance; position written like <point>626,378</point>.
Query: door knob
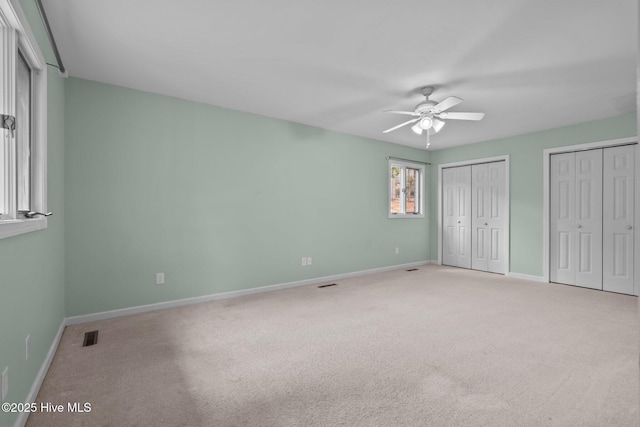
<point>579,226</point>
<point>629,227</point>
<point>486,223</point>
<point>458,222</point>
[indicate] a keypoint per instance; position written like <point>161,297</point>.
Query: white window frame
<point>16,36</point>
<point>421,184</point>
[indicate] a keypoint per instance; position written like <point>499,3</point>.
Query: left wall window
<point>23,144</point>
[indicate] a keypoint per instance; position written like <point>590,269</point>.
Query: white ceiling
<point>336,64</point>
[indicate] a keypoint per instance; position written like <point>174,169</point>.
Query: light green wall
<point>525,153</point>
<point>32,265</point>
<point>218,200</point>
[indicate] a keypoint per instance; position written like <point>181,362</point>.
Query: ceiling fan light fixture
<point>437,125</point>
<point>426,123</point>
<point>417,129</point>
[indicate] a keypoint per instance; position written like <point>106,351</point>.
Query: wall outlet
<point>159,278</point>
<point>5,383</point>
<point>397,251</point>
<point>304,261</point>
<point>27,347</point>
<point>309,261</point>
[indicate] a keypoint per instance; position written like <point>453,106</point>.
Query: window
<point>23,134</point>
<point>406,181</point>
<point>22,125</point>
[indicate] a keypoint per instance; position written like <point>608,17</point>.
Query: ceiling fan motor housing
<point>425,106</point>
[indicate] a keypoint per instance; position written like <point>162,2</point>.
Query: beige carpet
<point>434,347</point>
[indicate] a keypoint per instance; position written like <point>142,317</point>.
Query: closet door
<point>562,218</point>
<point>576,219</point>
<point>618,224</point>
<point>488,221</point>
<point>588,227</point>
<point>456,207</point>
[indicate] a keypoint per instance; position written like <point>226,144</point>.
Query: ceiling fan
<point>430,115</point>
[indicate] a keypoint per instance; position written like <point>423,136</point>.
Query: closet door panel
<point>463,183</point>
<point>480,206</point>
<point>449,217</point>
<point>618,221</point>
<point>588,211</point>
<point>562,218</point>
<point>488,217</point>
<point>496,217</point>
<point>456,183</point>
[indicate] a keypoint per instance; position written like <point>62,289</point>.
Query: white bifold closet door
<point>619,213</point>
<point>456,190</point>
<point>591,219</point>
<point>576,219</point>
<point>488,216</point>
<point>473,212</point>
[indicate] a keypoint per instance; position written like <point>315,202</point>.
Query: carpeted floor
<point>434,347</point>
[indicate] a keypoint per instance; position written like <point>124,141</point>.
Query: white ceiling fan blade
<point>400,125</point>
<point>447,103</point>
<point>408,113</point>
<point>437,125</point>
<point>461,116</point>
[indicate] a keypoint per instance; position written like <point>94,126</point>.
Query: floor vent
<point>90,338</point>
<point>412,269</point>
<point>326,286</point>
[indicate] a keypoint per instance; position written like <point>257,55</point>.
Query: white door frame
<point>546,156</point>
<point>507,204</point>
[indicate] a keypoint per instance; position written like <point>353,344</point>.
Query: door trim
<point>546,203</point>
<point>507,220</point>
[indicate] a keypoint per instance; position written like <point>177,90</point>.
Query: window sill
<point>16,227</point>
<point>416,216</point>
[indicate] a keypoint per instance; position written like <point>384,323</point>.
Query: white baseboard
<point>526,277</point>
<point>94,317</point>
<point>44,368</point>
